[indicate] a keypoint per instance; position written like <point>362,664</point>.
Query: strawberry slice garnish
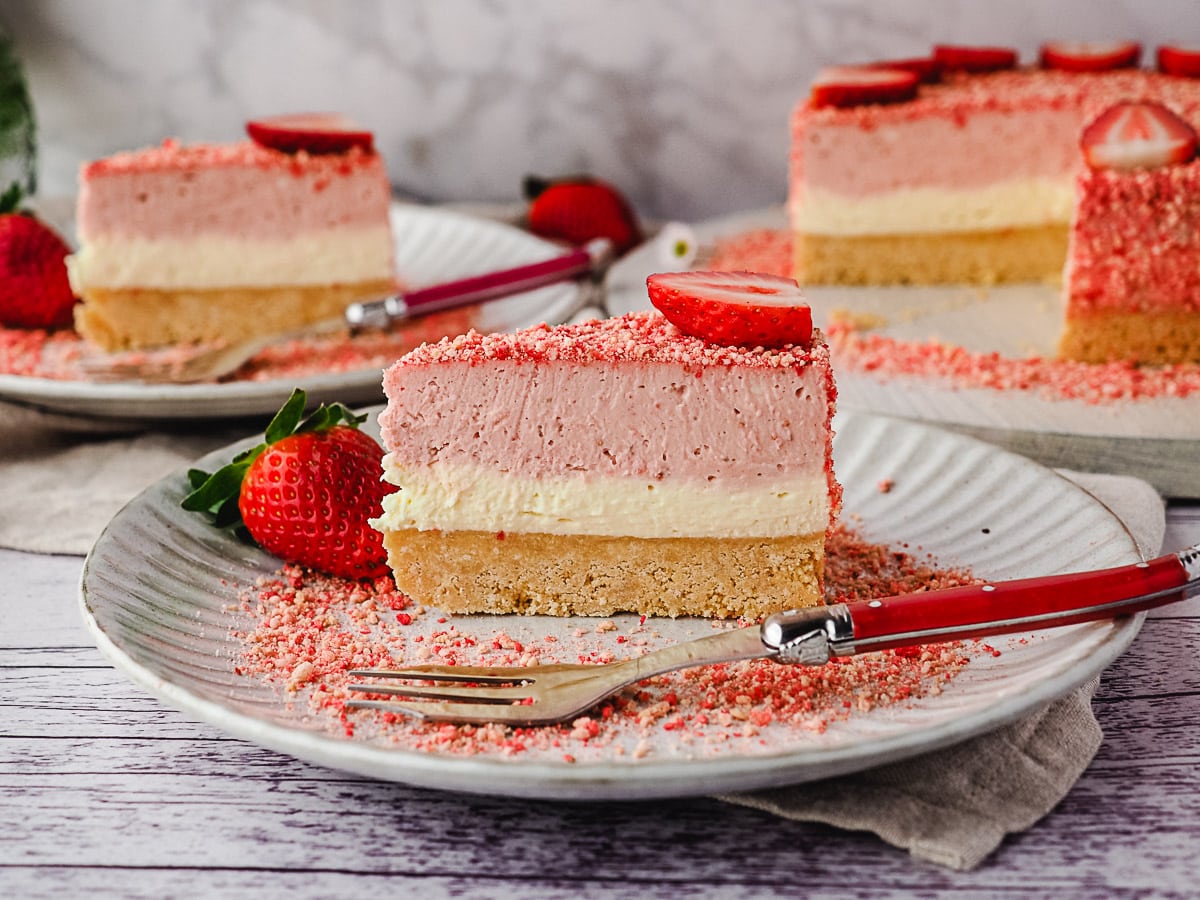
<point>924,67</point>
<point>310,132</point>
<point>734,308</point>
<point>579,209</point>
<point>1175,60</point>
<point>959,58</point>
<point>857,85</point>
<point>306,493</point>
<point>1072,56</point>
<point>1137,135</point>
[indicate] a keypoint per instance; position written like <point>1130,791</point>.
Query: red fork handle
<point>1003,607</point>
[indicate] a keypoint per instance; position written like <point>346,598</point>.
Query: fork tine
<point>466,695</point>
<point>472,713</point>
<point>476,674</point>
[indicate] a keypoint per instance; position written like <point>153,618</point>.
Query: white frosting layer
<point>348,255</point>
<point>468,498</point>
<point>1023,203</point>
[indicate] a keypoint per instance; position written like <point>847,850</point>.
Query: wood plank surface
<point>105,791</point>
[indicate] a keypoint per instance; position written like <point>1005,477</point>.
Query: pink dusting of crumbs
<point>60,355</point>
<point>305,632</point>
<point>856,350</point>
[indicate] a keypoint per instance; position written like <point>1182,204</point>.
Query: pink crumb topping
<point>173,156</point>
<point>305,632</point>
<point>634,337</point>
<point>887,357</point>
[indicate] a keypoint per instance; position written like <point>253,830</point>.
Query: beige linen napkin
<point>955,806</point>
<point>62,481</point>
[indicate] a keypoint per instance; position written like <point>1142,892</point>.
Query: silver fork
<point>541,695</point>
<point>214,361</point>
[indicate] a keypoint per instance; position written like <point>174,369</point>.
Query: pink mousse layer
<point>237,190</point>
<point>1135,241</point>
<point>967,132</point>
<point>625,397</point>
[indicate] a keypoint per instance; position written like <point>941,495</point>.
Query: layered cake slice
<point>612,465</point>
<point>191,243</point>
<point>1132,280</point>
<point>956,168</point>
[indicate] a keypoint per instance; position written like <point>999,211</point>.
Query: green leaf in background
<point>18,130</point>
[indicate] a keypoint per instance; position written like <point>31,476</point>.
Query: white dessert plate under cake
<point>159,594</point>
<point>1154,438</point>
<point>432,246</point>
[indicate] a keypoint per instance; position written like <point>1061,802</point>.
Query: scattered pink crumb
<point>885,485</point>
<point>306,631</point>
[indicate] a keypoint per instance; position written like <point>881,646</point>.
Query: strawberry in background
<point>34,290</point>
<point>579,209</point>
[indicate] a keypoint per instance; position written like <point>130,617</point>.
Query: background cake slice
<point>220,242</point>
<point>611,465</point>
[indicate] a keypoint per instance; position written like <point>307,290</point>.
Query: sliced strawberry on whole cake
<point>612,465</point>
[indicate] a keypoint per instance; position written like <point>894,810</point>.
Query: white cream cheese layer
<point>348,255</point>
<point>456,498</point>
<point>1025,203</point>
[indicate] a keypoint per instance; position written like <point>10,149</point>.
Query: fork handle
<point>981,610</point>
<point>592,256</point>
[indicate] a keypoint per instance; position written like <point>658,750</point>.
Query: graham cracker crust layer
<point>130,319</point>
<point>986,257</point>
<point>1152,338</point>
<point>559,575</point>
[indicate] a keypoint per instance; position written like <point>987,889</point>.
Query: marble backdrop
<point>683,103</point>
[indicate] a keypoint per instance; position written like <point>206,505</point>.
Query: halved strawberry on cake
<point>206,242</point>
<point>622,464</point>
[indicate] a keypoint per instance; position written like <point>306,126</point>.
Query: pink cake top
<point>635,337</point>
<point>1018,90</point>
<point>173,156</point>
<point>1135,240</point>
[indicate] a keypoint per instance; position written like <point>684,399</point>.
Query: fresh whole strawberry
<point>733,308</point>
<point>1137,135</point>
<point>579,209</point>
<point>306,493</point>
<point>34,290</point>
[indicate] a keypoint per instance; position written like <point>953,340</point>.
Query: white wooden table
<point>106,792</point>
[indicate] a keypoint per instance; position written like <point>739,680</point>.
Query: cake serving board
<point>1156,439</point>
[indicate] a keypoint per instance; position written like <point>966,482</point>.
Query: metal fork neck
<point>808,637</point>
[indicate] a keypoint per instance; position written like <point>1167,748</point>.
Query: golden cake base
<point>559,575</point>
<point>131,319</point>
<point>1151,338</point>
<point>1027,254</point>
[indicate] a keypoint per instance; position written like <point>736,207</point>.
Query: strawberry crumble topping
<point>305,631</point>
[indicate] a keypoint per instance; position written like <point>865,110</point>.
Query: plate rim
<point>625,779</point>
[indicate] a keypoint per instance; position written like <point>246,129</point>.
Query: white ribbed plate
<point>432,246</point>
<point>156,593</point>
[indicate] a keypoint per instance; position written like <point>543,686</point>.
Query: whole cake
<point>611,465</point>
<point>191,243</point>
<point>955,168</point>
<point>1132,279</point>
